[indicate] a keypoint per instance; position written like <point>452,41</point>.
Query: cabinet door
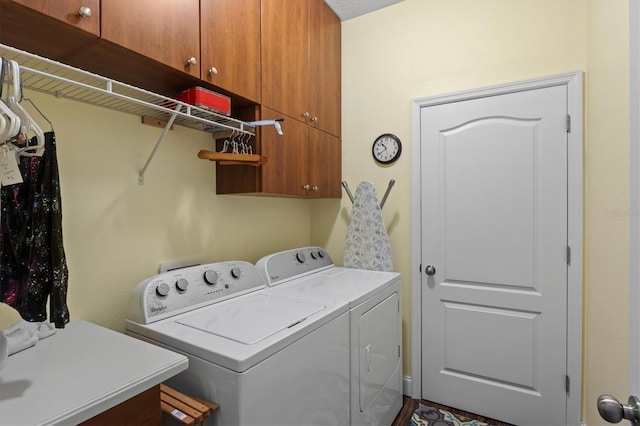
<point>326,68</point>
<point>47,28</point>
<point>230,45</point>
<point>68,11</point>
<point>287,172</point>
<point>325,164</point>
<point>165,30</point>
<point>285,56</point>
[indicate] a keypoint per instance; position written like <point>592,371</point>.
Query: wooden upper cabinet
<point>325,164</point>
<point>287,171</point>
<point>326,68</point>
<point>83,14</point>
<point>230,46</point>
<point>301,63</point>
<point>167,31</point>
<point>285,57</point>
<point>54,29</point>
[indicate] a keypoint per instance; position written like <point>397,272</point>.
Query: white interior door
<point>494,241</point>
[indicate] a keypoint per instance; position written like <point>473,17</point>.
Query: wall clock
<point>386,148</point>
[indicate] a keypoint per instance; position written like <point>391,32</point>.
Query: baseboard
<point>406,386</point>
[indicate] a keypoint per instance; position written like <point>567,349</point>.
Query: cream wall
<point>116,232</point>
<point>420,48</point>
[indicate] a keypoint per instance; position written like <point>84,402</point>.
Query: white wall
<point>116,232</point>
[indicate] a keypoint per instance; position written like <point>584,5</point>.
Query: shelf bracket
<point>155,148</point>
<point>275,123</point>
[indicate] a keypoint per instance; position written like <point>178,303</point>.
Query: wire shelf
<point>48,76</point>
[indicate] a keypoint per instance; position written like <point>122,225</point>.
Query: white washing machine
<point>374,325</point>
<point>266,358</point>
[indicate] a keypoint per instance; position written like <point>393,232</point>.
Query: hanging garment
<point>367,245</point>
<point>33,265</point>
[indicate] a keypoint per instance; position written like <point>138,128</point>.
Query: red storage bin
<point>207,99</point>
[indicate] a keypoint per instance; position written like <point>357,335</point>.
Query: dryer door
<point>379,347</point>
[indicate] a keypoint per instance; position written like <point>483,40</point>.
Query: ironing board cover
<point>367,245</point>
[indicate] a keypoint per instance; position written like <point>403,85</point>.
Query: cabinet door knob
<point>315,188</point>
<point>213,71</point>
<point>306,187</point>
<point>306,115</point>
<point>84,12</point>
<point>314,119</point>
<point>192,61</point>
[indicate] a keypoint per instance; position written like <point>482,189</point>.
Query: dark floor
<point>410,405</point>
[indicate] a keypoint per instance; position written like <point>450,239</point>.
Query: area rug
<point>430,416</point>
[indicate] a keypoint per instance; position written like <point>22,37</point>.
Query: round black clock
<point>386,148</point>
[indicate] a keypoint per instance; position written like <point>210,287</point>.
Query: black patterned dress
<point>33,267</point>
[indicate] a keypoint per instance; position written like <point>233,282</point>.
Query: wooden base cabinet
<point>304,162</point>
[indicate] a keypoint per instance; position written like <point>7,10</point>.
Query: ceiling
<point>347,9</point>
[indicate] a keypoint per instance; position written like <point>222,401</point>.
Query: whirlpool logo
<point>156,309</point>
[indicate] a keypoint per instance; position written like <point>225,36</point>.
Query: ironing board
<point>367,245</point>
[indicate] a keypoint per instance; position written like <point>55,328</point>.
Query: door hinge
<point>568,255</point>
<point>567,383</point>
<point>568,123</point>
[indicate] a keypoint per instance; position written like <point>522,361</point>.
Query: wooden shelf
<point>225,159</point>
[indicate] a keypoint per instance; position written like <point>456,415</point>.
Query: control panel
<point>284,266</point>
<point>182,290</point>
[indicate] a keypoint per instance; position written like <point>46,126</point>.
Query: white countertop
<point>79,372</point>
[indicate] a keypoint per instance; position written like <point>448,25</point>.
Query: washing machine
<point>374,323</point>
<point>267,358</point>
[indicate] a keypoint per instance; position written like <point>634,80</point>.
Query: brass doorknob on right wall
<point>614,411</point>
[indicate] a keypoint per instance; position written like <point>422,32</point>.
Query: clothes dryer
<point>374,323</point>
<point>266,358</point>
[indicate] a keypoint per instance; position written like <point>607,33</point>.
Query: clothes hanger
<point>24,98</point>
<point>3,120</point>
<point>28,123</point>
<point>13,120</point>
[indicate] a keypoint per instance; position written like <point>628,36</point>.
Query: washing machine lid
<point>273,321</point>
<point>253,318</point>
<point>353,286</point>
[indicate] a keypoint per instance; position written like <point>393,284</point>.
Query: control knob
<point>162,289</point>
<point>300,257</point>
<point>210,277</point>
<point>235,272</point>
<point>182,284</point>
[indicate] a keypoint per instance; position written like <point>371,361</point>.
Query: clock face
<point>386,148</point>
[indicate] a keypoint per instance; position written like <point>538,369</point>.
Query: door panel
<point>510,360</point>
<point>494,223</point>
<point>483,250</point>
